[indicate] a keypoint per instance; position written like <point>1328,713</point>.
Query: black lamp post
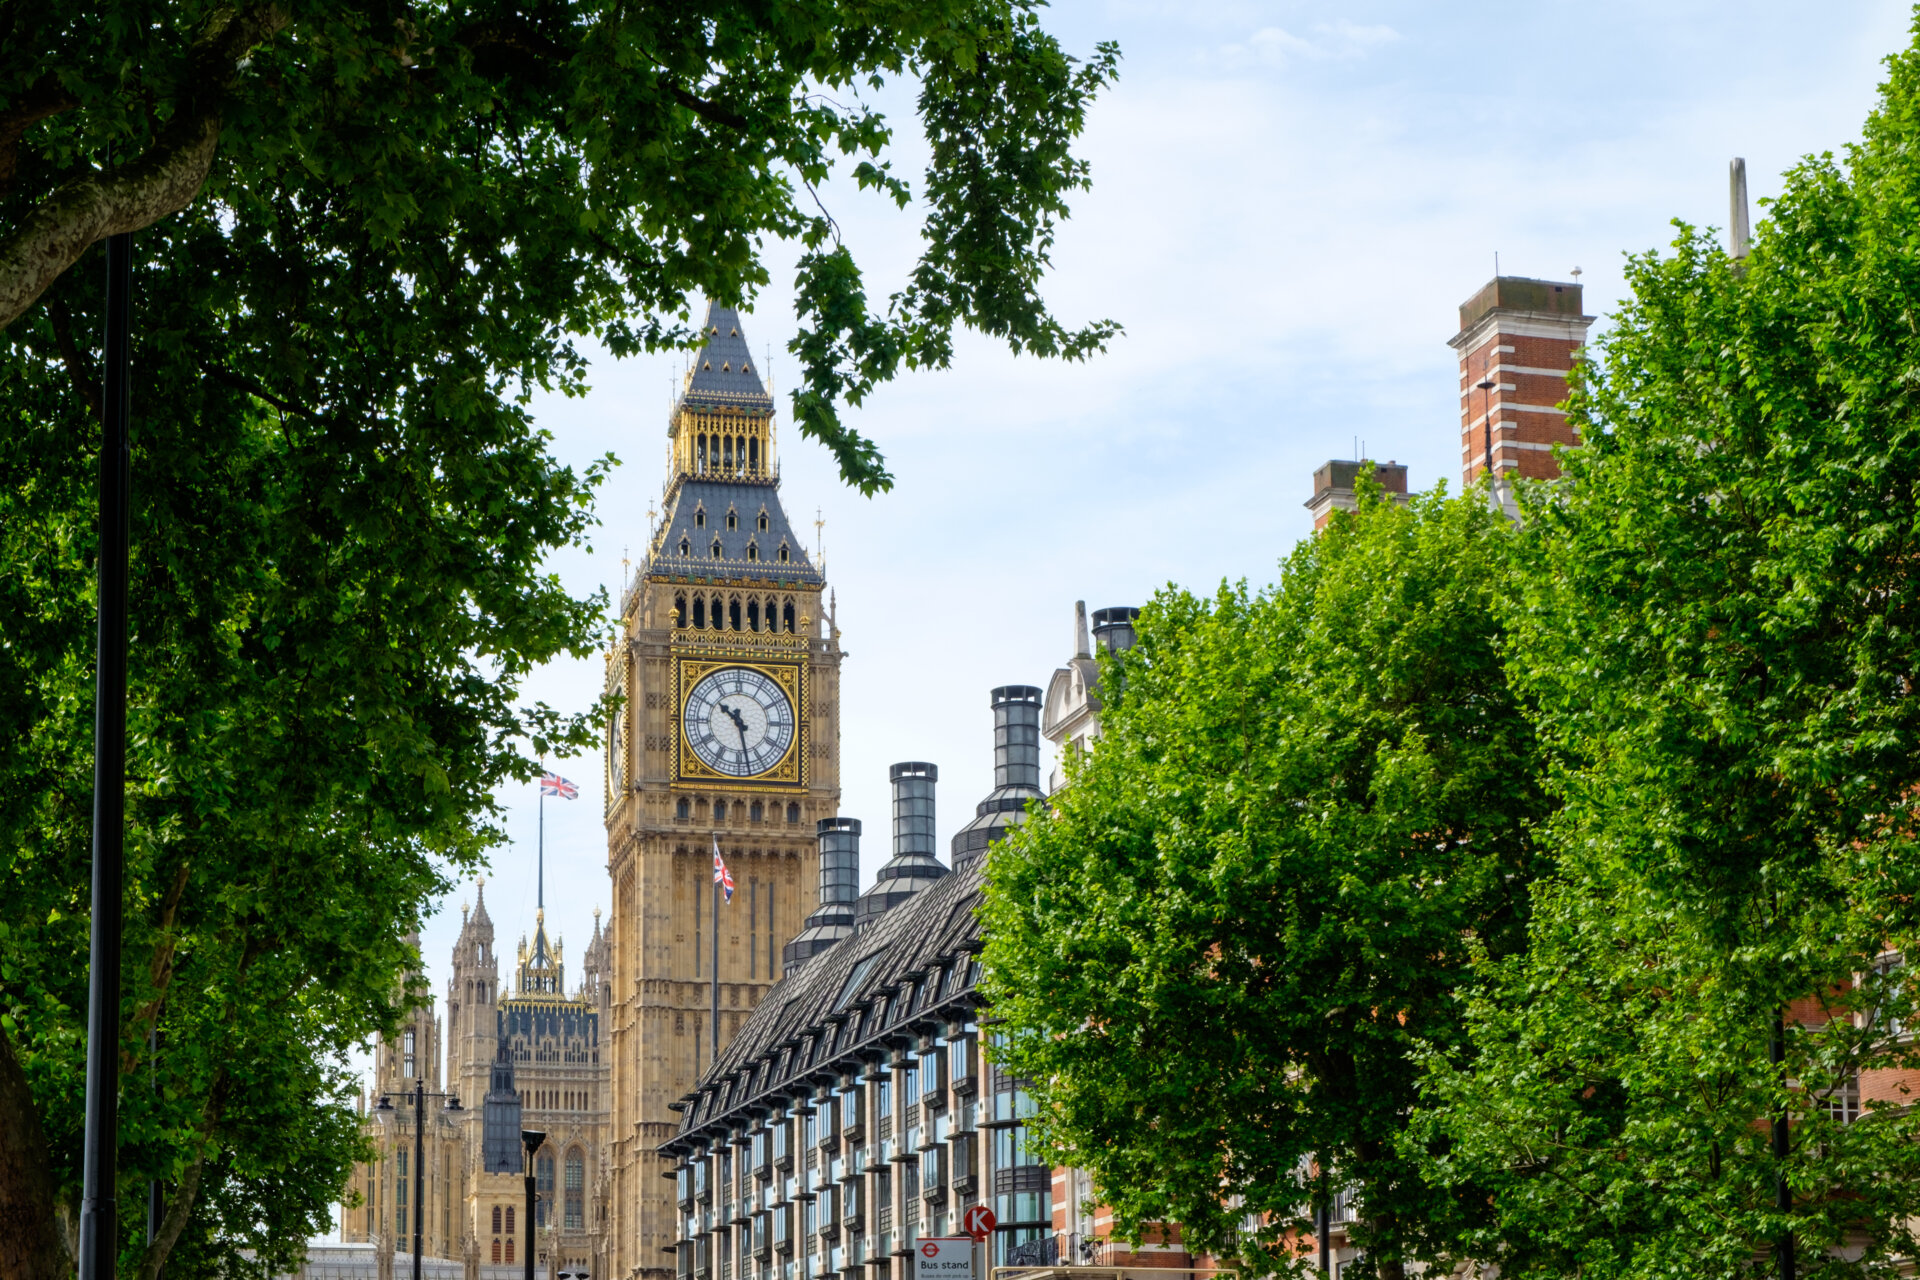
<point>531,1139</point>
<point>1486,421</point>
<point>100,1150</point>
<point>420,1096</point>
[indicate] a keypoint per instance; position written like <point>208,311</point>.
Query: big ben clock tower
<point>729,733</point>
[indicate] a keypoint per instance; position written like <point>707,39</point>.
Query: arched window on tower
<point>719,810</point>
<point>753,454</point>
<point>683,810</point>
<point>679,611</point>
<point>716,618</point>
<point>496,1227</point>
<point>700,452</point>
<point>733,614</point>
<point>793,813</point>
<point>729,451</point>
<point>509,1232</point>
<point>509,1244</point>
<point>575,1218</point>
<point>543,1183</point>
<point>756,812</point>
<point>699,612</point>
<point>753,606</point>
<point>787,613</point>
<point>496,1244</point>
<point>406,1055</point>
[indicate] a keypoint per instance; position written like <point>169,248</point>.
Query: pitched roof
<point>716,498</point>
<point>843,999</point>
<point>725,371</point>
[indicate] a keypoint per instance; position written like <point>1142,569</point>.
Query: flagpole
<point>540,862</point>
<point>713,1052</point>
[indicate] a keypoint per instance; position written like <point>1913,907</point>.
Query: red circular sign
<point>929,1249</point>
<point>978,1222</point>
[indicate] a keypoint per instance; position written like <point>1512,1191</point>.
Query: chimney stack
<point>839,890</point>
<point>1016,767</point>
<point>1113,626</point>
<point>1522,337</point>
<point>1016,737</point>
<point>914,864</point>
<point>1333,490</point>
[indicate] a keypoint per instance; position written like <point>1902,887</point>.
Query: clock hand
<point>738,724</point>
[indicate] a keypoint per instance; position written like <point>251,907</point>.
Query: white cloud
<point>1331,41</point>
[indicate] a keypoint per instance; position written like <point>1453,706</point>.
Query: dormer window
<point>784,553</point>
<point>686,549</point>
<point>763,522</point>
<point>700,518</point>
<point>753,552</point>
<point>733,520</point>
<point>716,548</point>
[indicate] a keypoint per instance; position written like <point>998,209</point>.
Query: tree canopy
<point>545,170</point>
<point>1217,956</point>
<point>366,235</point>
<point>1718,621</point>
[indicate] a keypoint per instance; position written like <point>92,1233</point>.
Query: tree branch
<point>164,180</point>
<point>707,110</point>
<point>240,382</point>
<point>185,1193</point>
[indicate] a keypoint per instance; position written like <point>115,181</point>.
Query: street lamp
<point>420,1096</point>
<point>531,1139</point>
<point>1486,422</point>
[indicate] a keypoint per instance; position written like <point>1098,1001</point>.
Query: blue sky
<point>1290,202</point>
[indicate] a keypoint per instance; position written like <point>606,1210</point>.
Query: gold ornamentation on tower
<point>728,732</point>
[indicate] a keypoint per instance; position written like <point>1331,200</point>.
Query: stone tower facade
<point>728,664</point>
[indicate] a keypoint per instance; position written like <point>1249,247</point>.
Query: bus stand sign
<point>944,1258</point>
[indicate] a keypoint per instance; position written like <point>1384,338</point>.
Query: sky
<point>1289,203</point>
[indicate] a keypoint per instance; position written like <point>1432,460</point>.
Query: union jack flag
<point>722,876</point>
<point>553,784</point>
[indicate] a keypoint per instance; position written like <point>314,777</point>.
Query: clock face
<point>738,722</point>
<point>616,762</point>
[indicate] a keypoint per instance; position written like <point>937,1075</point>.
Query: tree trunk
<point>32,1246</point>
<point>164,180</point>
<point>179,1209</point>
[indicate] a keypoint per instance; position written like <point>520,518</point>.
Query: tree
<point>1717,624</point>
<point>559,169</point>
<point>1259,893</point>
<point>369,234</point>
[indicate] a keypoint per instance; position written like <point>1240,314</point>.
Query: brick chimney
<point>1333,487</point>
<point>1523,336</point>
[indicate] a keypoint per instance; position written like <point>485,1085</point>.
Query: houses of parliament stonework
<point>728,666</point>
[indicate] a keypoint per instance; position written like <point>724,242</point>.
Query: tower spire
<point>722,423</point>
